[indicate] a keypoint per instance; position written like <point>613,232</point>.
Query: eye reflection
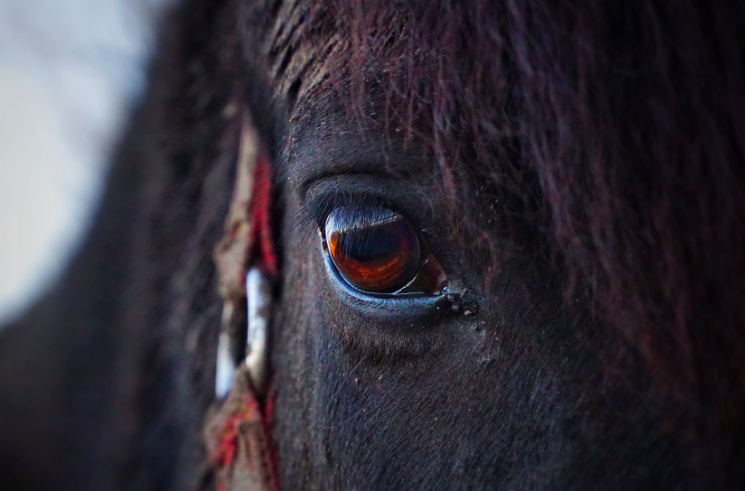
<point>377,251</point>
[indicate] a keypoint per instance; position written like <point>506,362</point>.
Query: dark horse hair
<point>613,132</point>
<point>619,128</point>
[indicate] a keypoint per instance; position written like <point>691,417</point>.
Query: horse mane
<point>616,129</point>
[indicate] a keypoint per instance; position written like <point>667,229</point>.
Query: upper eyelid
<point>319,204</point>
<point>363,189</point>
<point>312,180</point>
<point>313,211</point>
<point>316,158</point>
<point>320,207</point>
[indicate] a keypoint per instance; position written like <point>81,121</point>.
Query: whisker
<point>321,358</point>
<point>355,415</point>
<point>343,382</point>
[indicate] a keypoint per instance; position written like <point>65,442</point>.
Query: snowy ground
<point>68,71</point>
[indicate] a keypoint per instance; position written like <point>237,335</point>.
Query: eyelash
<point>311,217</point>
<point>318,209</point>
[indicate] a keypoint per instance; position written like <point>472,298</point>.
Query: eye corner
<point>461,300</point>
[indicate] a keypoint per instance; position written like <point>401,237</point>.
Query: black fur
<point>578,169</point>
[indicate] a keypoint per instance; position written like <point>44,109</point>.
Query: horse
<point>503,241</point>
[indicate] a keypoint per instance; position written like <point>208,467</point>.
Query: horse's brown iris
<point>375,249</point>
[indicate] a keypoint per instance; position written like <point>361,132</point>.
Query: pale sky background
<point>69,69</point>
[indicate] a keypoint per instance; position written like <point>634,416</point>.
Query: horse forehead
<point>299,55</point>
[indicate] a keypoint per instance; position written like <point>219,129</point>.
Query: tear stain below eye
<point>461,301</point>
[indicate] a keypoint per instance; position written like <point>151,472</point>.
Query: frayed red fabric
<point>228,449</point>
<point>261,202</point>
<point>240,454</point>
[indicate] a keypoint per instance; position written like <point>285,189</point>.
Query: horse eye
<point>377,250</point>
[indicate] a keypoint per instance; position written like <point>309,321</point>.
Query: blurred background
<point>69,72</point>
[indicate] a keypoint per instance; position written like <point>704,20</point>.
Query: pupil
<point>375,243</point>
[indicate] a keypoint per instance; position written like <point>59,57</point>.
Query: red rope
<point>229,439</point>
<point>261,203</point>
